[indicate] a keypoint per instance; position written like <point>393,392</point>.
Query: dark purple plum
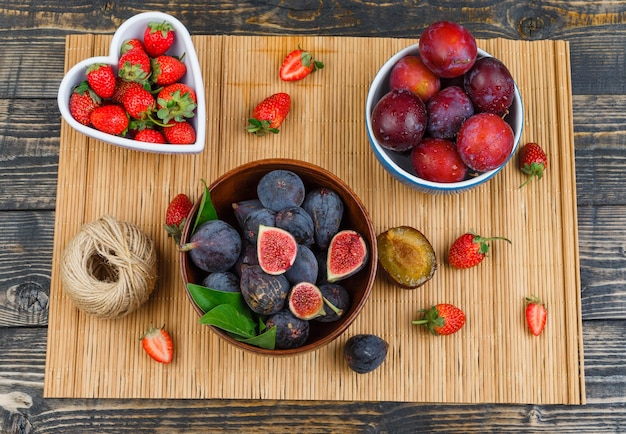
<point>447,110</point>
<point>326,210</point>
<point>245,207</point>
<point>365,352</point>
<point>490,86</point>
<point>214,246</point>
<point>280,189</point>
<point>339,297</point>
<point>265,294</point>
<point>291,332</point>
<point>222,281</point>
<point>304,268</point>
<point>399,120</point>
<point>297,222</point>
<point>448,48</point>
<point>261,216</point>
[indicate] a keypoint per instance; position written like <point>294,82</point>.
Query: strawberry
<point>298,64</point>
<point>158,38</point>
<point>536,315</point>
<point>180,133</point>
<point>111,119</point>
<point>129,44</point>
<point>82,102</point>
<point>121,86</point>
<point>269,114</point>
<point>101,78</point>
<point>167,70</point>
<point>176,101</point>
<point>532,161</point>
<point>158,344</point>
<point>469,250</point>
<point>442,319</point>
<point>134,65</point>
<point>176,215</point>
<point>150,136</point>
<point>138,102</point>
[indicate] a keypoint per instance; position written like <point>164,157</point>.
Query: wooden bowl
<point>240,184</point>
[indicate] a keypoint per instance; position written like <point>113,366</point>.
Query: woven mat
<point>493,359</point>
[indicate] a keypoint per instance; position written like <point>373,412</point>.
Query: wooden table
<point>32,56</point>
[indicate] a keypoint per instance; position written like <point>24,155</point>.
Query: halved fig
<point>306,301</point>
<point>276,249</point>
<point>407,256</point>
<point>347,254</point>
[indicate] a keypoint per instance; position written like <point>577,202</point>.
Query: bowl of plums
<point>278,257</point>
<point>444,116</point>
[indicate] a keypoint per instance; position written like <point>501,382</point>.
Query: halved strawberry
<point>298,64</point>
<point>158,344</point>
<point>536,315</point>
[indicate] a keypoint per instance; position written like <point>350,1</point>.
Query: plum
<point>279,189</point>
<point>437,160</point>
<point>490,86</point>
<point>485,142</point>
<point>447,111</point>
<point>214,246</point>
<point>298,222</point>
<point>263,293</point>
<point>410,73</point>
<point>448,49</point>
<point>222,281</point>
<point>365,352</point>
<point>399,120</point>
<point>291,332</point>
<point>326,210</point>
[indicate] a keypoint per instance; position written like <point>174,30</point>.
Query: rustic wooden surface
<point>33,35</point>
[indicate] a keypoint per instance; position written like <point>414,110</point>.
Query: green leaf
<point>266,340</point>
<point>208,298</point>
<point>229,319</point>
<point>206,210</point>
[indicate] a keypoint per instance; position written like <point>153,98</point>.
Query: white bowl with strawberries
<point>146,95</point>
<point>442,115</point>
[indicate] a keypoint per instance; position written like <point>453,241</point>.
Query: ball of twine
<point>109,268</point>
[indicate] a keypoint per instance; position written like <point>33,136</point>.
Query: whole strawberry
<point>176,101</point>
<point>536,315</point>
<point>180,133</point>
<point>469,250</point>
<point>158,38</point>
<point>110,119</point>
<point>82,102</point>
<point>167,70</point>
<point>138,102</point>
<point>269,114</point>
<point>134,65</point>
<point>121,86</point>
<point>149,135</point>
<point>442,319</point>
<point>176,216</point>
<point>101,78</point>
<point>532,161</point>
<point>129,44</point>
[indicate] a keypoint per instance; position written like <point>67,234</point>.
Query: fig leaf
<point>206,211</point>
<point>229,319</point>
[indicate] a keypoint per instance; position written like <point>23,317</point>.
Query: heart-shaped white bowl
<point>134,28</point>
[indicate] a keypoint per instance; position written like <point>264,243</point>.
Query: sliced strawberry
<point>298,64</point>
<point>536,315</point>
<point>158,344</point>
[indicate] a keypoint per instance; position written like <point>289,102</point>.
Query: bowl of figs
<point>442,115</point>
<point>278,257</point>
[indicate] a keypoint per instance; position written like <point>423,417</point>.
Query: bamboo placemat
<point>493,359</point>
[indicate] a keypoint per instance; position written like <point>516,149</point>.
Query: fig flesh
<point>306,301</point>
<point>347,255</point>
<point>276,249</point>
<point>406,256</point>
<point>365,352</point>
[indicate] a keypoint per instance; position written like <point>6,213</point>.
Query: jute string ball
<point>109,268</point>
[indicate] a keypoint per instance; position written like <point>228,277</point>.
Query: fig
<point>248,256</point>
<point>276,249</point>
<point>245,207</point>
<point>365,352</point>
<point>298,223</point>
<point>222,281</point>
<point>337,298</point>
<point>279,189</point>
<point>214,246</point>
<point>306,301</point>
<point>261,216</point>
<point>406,256</point>
<point>326,209</point>
<point>305,267</point>
<point>347,254</point>
<point>291,332</point>
<point>264,293</point>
